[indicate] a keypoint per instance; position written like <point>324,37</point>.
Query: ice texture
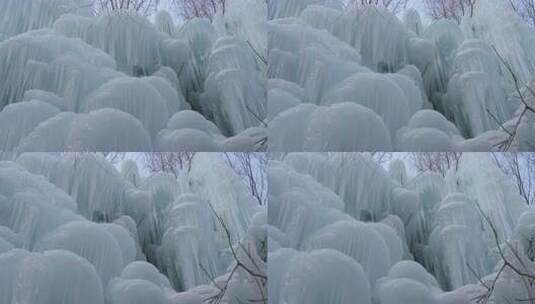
<point>441,86</point>
<point>74,228</point>
<point>416,238</point>
<point>28,278</point>
<point>308,277</point>
<point>84,64</point>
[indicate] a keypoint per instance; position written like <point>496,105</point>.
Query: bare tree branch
<point>189,9</point>
<point>259,276</point>
<point>393,5</point>
<point>439,162</point>
<point>252,168</point>
<point>144,7</point>
<point>171,162</point>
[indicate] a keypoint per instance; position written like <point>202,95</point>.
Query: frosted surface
<point>74,228</point>
<point>415,238</point>
<point>60,53</point>
<point>436,86</point>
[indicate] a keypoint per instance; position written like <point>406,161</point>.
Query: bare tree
<point>457,9</point>
<point>247,260</point>
<point>439,162</point>
<point>526,10</point>
<point>252,168</point>
<point>393,5</point>
<point>512,262</point>
<point>114,157</point>
<point>171,162</point>
<point>450,9</point>
<point>381,157</point>
<point>189,9</point>
<point>144,7</point>
<point>524,92</point>
<point>521,167</point>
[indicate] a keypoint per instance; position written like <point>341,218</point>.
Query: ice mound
<point>30,205</point>
<point>376,92</point>
<point>19,119</point>
<point>134,96</point>
<point>308,277</point>
<point>90,241</point>
<point>423,140</point>
<point>135,292</point>
<point>305,218</point>
<point>19,16</point>
<point>190,131</point>
<point>312,58</point>
<point>359,241</point>
<point>323,128</point>
<point>283,177</point>
<point>99,130</point>
<point>45,60</point>
<point>280,100</point>
<point>74,278</point>
<point>78,175</point>
<point>144,271</point>
<point>139,282</point>
<point>432,119</point>
<point>408,282</point>
<point>361,202</point>
<point>127,36</point>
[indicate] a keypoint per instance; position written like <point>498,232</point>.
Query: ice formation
<point>59,54</point>
<point>434,87</point>
<point>75,229</point>
<point>409,239</point>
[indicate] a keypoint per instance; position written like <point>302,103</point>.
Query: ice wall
<point>58,52</point>
<point>321,53</point>
<point>351,182</point>
<point>227,193</point>
<point>73,221</point>
<point>25,15</point>
<point>421,242</point>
